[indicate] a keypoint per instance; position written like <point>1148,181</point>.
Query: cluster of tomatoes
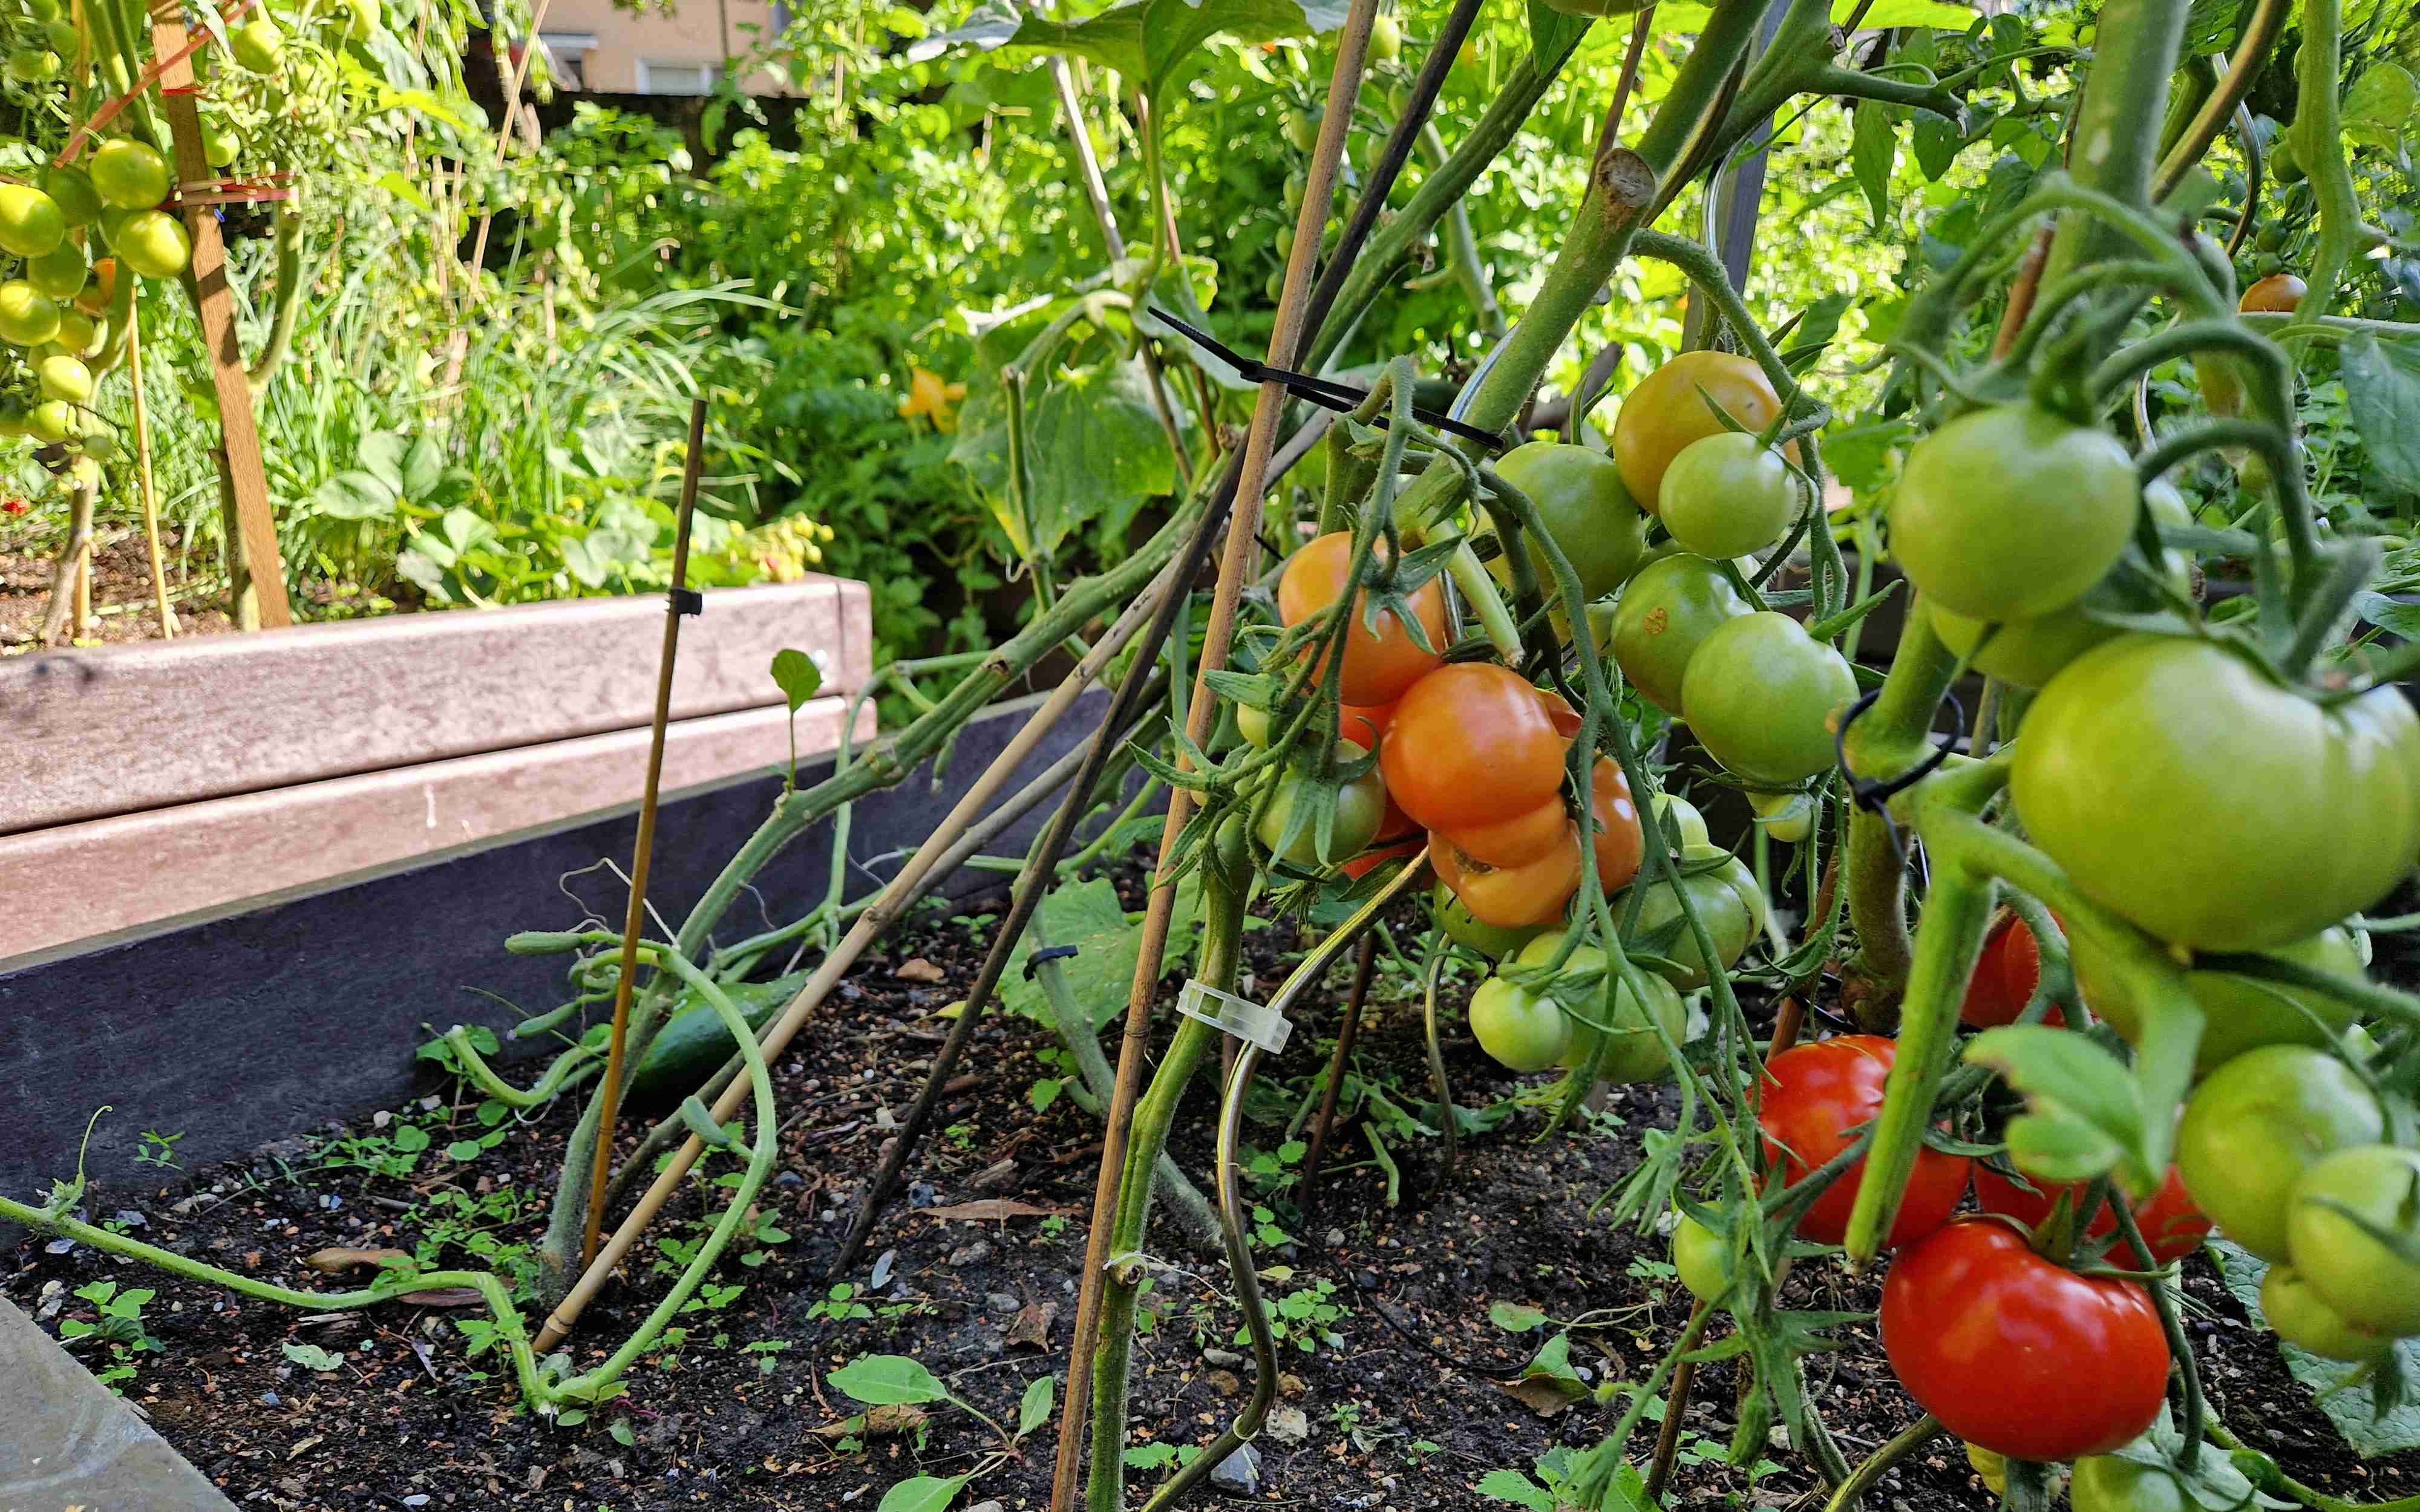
<point>73,226</point>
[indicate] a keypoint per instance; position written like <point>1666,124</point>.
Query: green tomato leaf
<point>888,1380</point>
<point>1099,974</point>
<point>1513,1486</point>
<point>2084,1115</point>
<point>1514,1318</point>
<point>1874,144</point>
<point>796,675</point>
<point>2382,392</point>
<point>923,1493</point>
<point>1034,1409</point>
<point>2380,106</point>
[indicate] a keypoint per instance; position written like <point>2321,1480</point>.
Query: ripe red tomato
<point>2005,977</point>
<point>2019,1356</point>
<point>1473,743</point>
<point>1378,665</point>
<point>1813,1100</point>
<point>2171,1225</point>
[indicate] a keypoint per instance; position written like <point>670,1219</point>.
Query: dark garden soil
<point>739,1415</point>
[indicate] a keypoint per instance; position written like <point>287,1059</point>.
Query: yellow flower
<point>927,395</point>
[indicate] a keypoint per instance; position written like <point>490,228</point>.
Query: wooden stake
<point>239,439</point>
<point>83,616</point>
<point>634,919</point>
<point>143,470</point>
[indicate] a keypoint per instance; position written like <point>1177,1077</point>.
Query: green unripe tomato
<point>31,223</point>
<point>1296,188</point>
<point>78,334</point>
<point>1728,901</point>
<point>1726,496</point>
<point>1302,127</point>
<point>220,143</point>
<point>1787,817</point>
<point>2364,1279</point>
<point>33,65</point>
<point>73,193</point>
<point>154,242</point>
<point>2184,787</point>
<point>2303,1318</point>
<point>1360,806</point>
<point>1680,820</point>
<point>102,446</point>
<point>1522,1031</point>
<point>64,378</point>
<point>2282,164</point>
<point>1760,694</point>
<point>1636,1051</point>
<point>257,45</point>
<point>53,421</point>
<point>2257,1125</point>
<point>1666,611</point>
<point>129,175</point>
<point>1702,1258</point>
<point>63,36</point>
<point>1386,39</point>
<point>1465,929</point>
<point>2239,1013</point>
<point>1585,510</point>
<point>2104,1483</point>
<point>2011,512</point>
<point>28,317</point>
<point>1253,726</point>
<point>45,10</point>
<point>60,272</point>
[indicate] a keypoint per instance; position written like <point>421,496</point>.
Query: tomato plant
<point>2104,1483</point>
<point>1473,743</point>
<point>2171,1225</point>
<point>1354,805</point>
<point>1986,1336</point>
<point>2299,1315</point>
<point>1812,1102</point>
<point>1702,1258</point>
<point>2004,976</point>
<point>1664,615</point>
<point>2238,1013</point>
<point>1727,496</point>
<point>2353,1232</point>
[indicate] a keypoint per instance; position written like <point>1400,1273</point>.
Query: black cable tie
<point>1326,392</point>
<point>1875,796</point>
<point>688,601</point>
<point>1056,952</point>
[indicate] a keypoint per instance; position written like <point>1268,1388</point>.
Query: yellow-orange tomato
<point>1473,743</point>
<point>1380,664</point>
<point>1521,870</point>
<point>2276,294</point>
<point>1666,411</point>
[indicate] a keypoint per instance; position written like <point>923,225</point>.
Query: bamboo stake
<point>869,927</point>
<point>82,619</point>
<point>214,303</point>
<point>143,472</point>
<point>634,919</point>
<point>1234,568</point>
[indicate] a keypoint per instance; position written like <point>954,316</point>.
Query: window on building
<point>569,52</point>
<point>675,78</point>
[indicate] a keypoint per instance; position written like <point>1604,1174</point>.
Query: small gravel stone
<point>1239,1473</point>
<point>1227,1358</point>
<point>1002,1304</point>
<point>1225,1382</point>
<point>1288,1425</point>
<point>965,1254</point>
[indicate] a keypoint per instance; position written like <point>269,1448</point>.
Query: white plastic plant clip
<point>1239,1016</point>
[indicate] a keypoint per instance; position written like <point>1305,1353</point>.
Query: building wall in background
<point>599,48</point>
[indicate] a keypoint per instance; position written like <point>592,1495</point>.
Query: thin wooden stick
<point>83,616</point>
<point>1236,568</point>
<point>143,472</point>
<point>634,919</point>
<point>870,926</point>
<point>1346,1032</point>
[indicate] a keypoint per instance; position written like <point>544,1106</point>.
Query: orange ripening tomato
<point>101,289</point>
<point>1527,867</point>
<point>2277,294</point>
<point>1511,897</point>
<point>1378,666</point>
<point>2004,976</point>
<point>1473,743</point>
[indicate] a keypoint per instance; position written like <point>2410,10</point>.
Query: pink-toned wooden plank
<point>125,729</point>
<point>72,882</point>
